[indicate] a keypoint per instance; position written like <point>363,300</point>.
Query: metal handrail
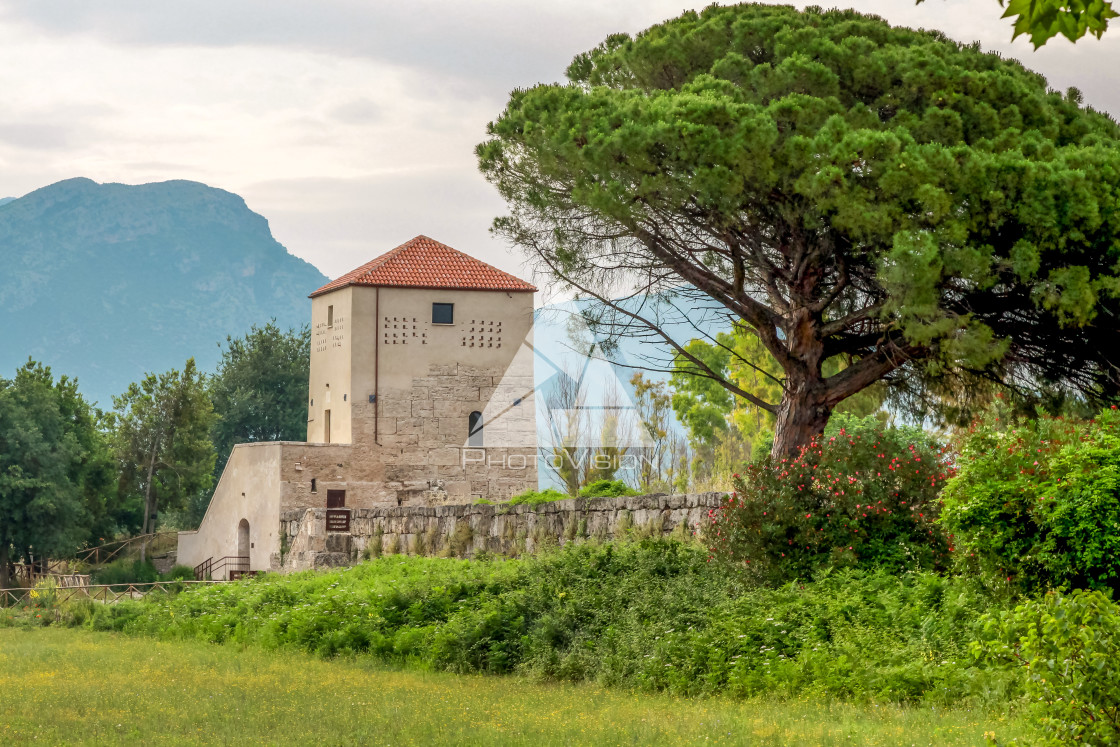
<point>106,593</point>
<point>210,566</point>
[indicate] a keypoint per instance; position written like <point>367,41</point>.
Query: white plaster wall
<point>499,321</point>
<point>249,489</point>
<point>331,350</point>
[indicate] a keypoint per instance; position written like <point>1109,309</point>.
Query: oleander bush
<point>1036,503</point>
<point>861,495</point>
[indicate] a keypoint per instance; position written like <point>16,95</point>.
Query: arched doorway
<point>243,542</point>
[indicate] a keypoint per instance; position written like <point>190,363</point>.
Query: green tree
<point>615,437</point>
<point>163,440</point>
<point>836,187</point>
<point>659,466</point>
<point>1042,20</point>
<point>260,388</point>
<point>55,468</point>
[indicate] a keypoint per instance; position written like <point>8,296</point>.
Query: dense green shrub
<point>536,497</point>
<point>606,489</point>
<point>125,571</point>
<point>1037,502</point>
<point>653,615</point>
<point>1069,646</point>
<point>860,495</point>
<point>179,573</point>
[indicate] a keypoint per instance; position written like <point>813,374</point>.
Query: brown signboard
<point>338,520</point>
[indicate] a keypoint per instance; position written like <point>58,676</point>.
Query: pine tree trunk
<point>802,415</point>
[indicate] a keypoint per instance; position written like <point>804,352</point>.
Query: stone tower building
<point>421,393</point>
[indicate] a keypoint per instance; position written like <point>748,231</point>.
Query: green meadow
<point>75,687</point>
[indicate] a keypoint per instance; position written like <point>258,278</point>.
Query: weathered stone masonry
<point>466,530</point>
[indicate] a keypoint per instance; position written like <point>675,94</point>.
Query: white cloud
<point>349,124</point>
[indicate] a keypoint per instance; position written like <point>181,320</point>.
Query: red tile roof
<point>426,263</point>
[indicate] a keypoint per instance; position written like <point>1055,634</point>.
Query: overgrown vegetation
<point>606,489</point>
<point>537,497</point>
<point>595,489</point>
<point>655,615</point>
<point>1068,646</point>
<point>136,571</point>
<point>1037,501</point>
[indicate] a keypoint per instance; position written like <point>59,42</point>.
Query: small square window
<point>443,313</point>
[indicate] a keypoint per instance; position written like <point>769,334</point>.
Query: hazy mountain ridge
<point>107,281</point>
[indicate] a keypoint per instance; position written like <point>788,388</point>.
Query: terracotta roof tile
<point>426,263</point>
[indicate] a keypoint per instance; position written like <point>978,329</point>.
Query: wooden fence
<point>105,593</point>
<point>157,543</point>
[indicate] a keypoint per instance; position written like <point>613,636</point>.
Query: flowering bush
<point>860,495</point>
<point>1037,502</point>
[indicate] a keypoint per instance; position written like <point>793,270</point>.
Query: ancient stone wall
<point>466,530</point>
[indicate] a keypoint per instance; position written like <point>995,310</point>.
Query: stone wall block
<point>466,369</point>
<point>398,407</point>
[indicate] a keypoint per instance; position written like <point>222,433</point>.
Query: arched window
<point>474,429</point>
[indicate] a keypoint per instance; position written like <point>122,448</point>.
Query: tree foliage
<point>908,205</point>
<point>55,468</point>
<point>163,441</point>
<point>661,467</point>
<point>260,388</point>
<point>710,411</point>
<point>1068,645</point>
<point>1042,20</point>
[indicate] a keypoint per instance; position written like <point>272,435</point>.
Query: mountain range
<point>108,281</point>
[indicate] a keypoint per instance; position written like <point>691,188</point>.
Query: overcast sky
<point>349,124</point>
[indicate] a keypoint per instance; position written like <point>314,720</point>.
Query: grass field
<point>61,686</point>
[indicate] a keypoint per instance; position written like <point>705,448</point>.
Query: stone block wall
<point>422,435</point>
<point>466,530</point>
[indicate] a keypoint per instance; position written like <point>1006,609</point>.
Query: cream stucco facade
<point>405,407</point>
